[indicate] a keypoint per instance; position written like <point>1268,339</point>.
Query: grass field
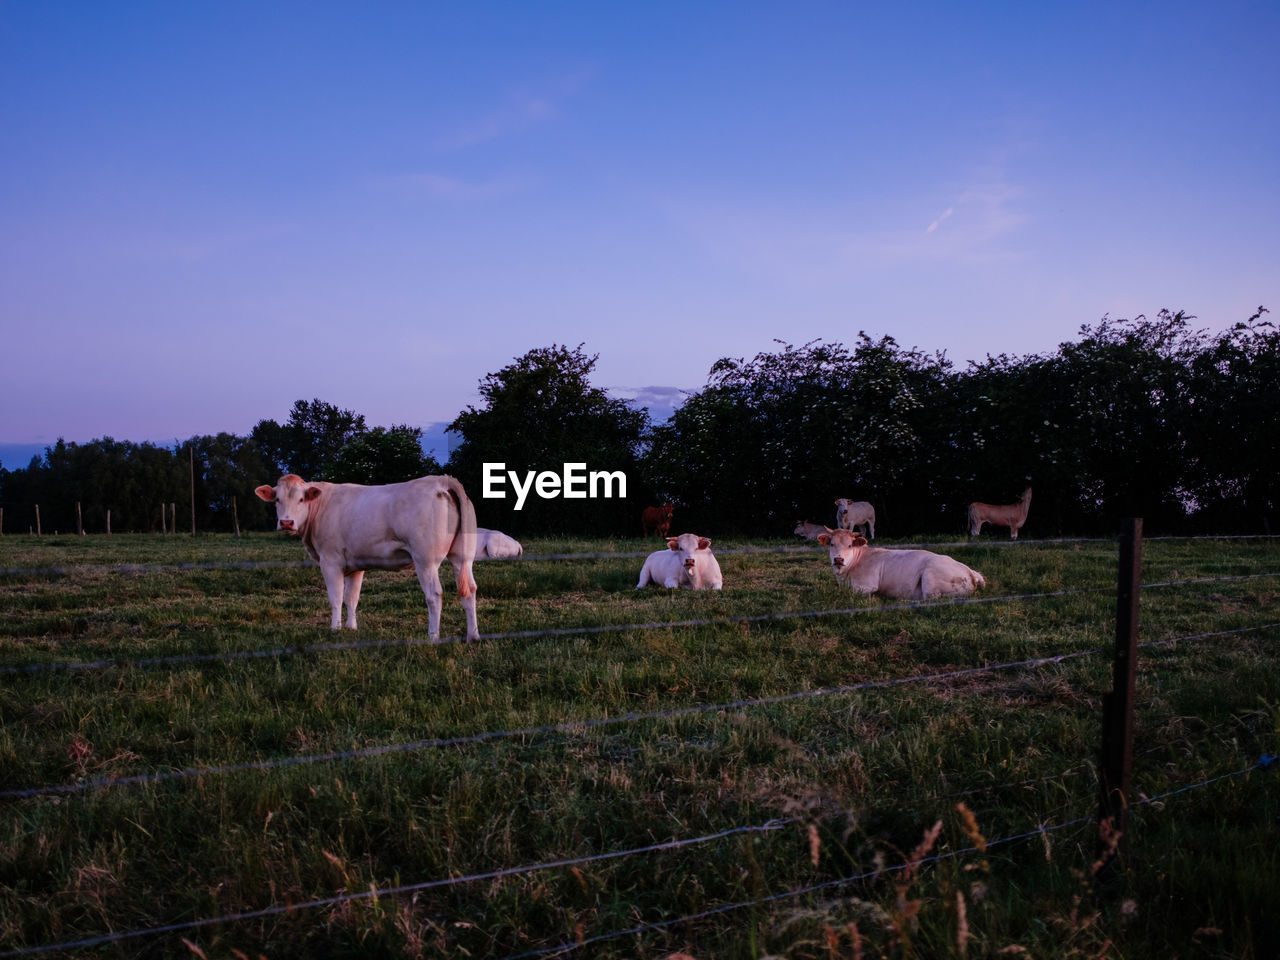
<point>601,741</point>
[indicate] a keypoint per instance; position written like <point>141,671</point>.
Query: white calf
<point>687,563</point>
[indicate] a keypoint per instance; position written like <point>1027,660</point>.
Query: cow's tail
<point>464,538</point>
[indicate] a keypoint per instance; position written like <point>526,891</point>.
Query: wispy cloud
<point>439,186</point>
<point>815,248</point>
<point>521,111</point>
<point>945,214</point>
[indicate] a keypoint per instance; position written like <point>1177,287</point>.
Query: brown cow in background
<point>657,520</point>
<point>1011,515</point>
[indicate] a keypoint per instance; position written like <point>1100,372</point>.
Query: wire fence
<point>800,549</point>
<point>578,727</point>
<point>334,646</point>
<point>1263,763</point>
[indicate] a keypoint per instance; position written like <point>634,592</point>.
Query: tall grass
<point>860,778</point>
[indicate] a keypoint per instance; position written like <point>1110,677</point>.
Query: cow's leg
<point>351,595</point>
<point>466,583</point>
<point>429,578</point>
<point>333,583</point>
<point>871,529</point>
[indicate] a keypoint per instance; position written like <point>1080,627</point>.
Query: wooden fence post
<point>164,519</point>
<point>108,521</point>
<point>191,455</point>
<point>79,520</point>
<point>39,532</point>
<point>1116,764</point>
<point>235,517</point>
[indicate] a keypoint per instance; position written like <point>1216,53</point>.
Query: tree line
<point>1142,417</point>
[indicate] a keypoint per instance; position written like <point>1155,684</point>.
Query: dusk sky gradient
<point>211,210</point>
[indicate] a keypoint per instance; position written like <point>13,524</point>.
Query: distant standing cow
<point>657,520</point>
<point>349,528</point>
<point>852,514</point>
<point>1011,515</point>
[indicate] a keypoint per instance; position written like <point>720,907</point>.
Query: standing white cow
<point>851,514</point>
<point>349,528</point>
<point>1011,515</point>
<point>495,543</point>
<point>904,574</point>
<point>687,563</point>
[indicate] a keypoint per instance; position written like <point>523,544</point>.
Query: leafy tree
<point>383,455</point>
<point>310,440</point>
<point>227,468</point>
<point>1127,385</point>
<point>1233,460</point>
<point>540,413</point>
<point>780,437</point>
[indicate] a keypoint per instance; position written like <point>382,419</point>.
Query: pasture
<point>759,781</point>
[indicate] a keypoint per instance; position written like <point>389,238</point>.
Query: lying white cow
<point>687,563</point>
<point>810,531</point>
<point>1011,515</point>
<point>349,528</point>
<point>495,543</point>
<point>904,574</point>
<point>851,514</point>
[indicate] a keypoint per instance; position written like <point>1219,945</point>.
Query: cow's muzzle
<point>837,562</point>
<point>285,525</point>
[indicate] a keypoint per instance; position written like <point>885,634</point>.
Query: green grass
<point>860,777</point>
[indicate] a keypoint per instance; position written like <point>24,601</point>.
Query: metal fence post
<point>1117,706</point>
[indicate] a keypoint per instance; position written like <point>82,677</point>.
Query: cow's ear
<point>824,539</point>
<point>859,541</point>
<point>311,493</point>
<point>265,492</point>
<point>703,543</point>
<point>673,543</point>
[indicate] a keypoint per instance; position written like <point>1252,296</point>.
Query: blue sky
<point>210,210</point>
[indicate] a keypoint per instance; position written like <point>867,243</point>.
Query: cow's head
<point>667,510</point>
<point>293,497</point>
<point>687,544</point>
<point>846,549</point>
